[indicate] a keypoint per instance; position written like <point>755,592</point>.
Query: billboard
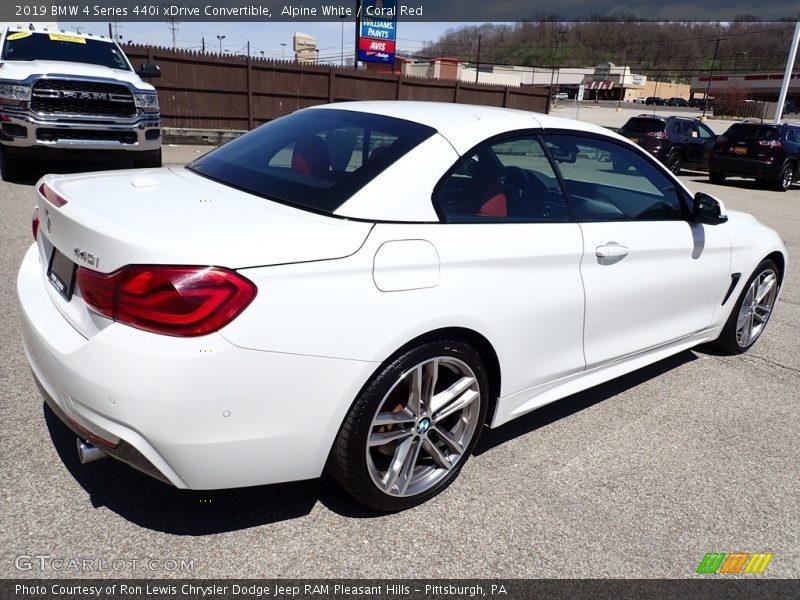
<point>377,31</point>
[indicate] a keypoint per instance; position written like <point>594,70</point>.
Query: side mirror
<point>707,209</point>
<point>148,71</point>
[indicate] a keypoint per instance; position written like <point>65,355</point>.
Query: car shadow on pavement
<point>541,417</point>
<point>744,184</point>
<point>152,504</point>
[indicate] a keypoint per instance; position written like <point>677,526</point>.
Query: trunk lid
<point>175,217</point>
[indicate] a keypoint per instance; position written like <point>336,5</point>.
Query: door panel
<point>650,275</point>
<point>666,285</point>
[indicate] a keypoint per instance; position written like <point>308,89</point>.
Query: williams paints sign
<point>377,31</point>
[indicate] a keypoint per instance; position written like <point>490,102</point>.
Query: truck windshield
<point>28,45</point>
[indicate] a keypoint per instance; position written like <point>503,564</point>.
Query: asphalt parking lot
<point>639,477</point>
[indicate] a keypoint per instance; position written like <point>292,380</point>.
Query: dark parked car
<point>791,108</point>
<point>655,100</point>
<point>676,141</point>
<point>677,102</point>
<point>700,103</point>
<point>768,153</point>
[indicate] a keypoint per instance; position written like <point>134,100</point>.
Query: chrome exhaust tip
<point>88,452</point>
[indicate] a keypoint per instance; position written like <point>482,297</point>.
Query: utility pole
<point>622,88</point>
<point>342,18</point>
<point>711,76</point>
<point>478,65</point>
<point>173,26</point>
<point>248,48</point>
<point>203,42</point>
<point>787,74</point>
<point>553,59</point>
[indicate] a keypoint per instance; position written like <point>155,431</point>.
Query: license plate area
<point>740,150</point>
<point>61,273</point>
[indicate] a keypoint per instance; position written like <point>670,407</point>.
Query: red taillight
<point>51,196</point>
<point>179,301</point>
<point>657,134</point>
<point>35,223</point>
<point>770,143</point>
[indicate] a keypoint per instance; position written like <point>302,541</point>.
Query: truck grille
<point>62,96</point>
<point>85,135</point>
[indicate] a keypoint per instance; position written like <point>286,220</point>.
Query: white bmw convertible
<point>363,287</point>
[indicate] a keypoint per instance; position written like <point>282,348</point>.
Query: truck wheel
<point>9,167</point>
<point>148,160</point>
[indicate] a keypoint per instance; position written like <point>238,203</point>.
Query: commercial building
<point>759,86</point>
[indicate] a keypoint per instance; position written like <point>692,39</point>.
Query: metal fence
<point>206,91</point>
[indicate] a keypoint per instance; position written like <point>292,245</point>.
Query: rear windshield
<point>644,125</point>
<point>313,159</point>
<point>26,45</point>
<point>753,132</point>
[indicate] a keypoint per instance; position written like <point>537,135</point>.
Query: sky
<point>263,37</point>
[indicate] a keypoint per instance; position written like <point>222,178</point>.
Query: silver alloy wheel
<point>756,307</point>
<point>423,426</point>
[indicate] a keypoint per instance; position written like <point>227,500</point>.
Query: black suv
<point>768,153</point>
<point>677,102</point>
<point>676,141</point>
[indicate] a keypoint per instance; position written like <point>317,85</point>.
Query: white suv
<point>69,92</point>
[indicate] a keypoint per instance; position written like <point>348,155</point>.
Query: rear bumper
<point>745,167</point>
<point>200,412</point>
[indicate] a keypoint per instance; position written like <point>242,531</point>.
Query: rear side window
<point>753,132</point>
<point>644,125</point>
<point>313,159</point>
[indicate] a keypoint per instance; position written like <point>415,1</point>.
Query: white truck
<point>66,94</point>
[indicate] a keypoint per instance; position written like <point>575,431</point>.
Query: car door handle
<point>611,250</point>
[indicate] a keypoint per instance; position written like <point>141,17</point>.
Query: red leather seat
<point>310,156</point>
<point>493,201</point>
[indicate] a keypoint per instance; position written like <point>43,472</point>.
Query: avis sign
<point>377,31</point>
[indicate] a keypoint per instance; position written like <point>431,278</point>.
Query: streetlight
<point>220,38</point>
<point>317,51</point>
<point>283,51</point>
<point>342,17</point>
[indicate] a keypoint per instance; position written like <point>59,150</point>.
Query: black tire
<point>784,181</point>
<point>10,168</point>
<point>717,177</point>
<point>727,341</point>
<point>349,464</point>
<point>675,162</point>
<point>148,160</point>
